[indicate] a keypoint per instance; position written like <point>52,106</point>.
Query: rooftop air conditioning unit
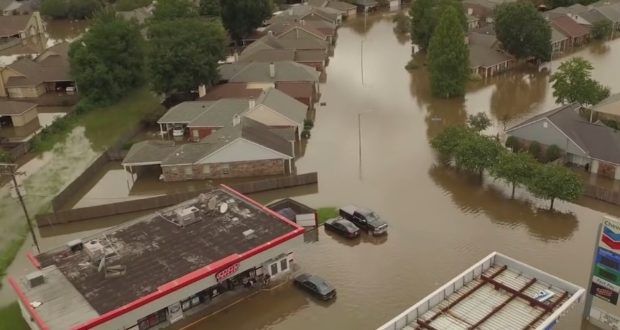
<point>35,279</point>
<point>95,250</point>
<point>187,216</point>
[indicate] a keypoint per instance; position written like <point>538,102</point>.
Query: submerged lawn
<point>326,213</point>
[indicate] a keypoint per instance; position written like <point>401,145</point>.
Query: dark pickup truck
<point>365,219</point>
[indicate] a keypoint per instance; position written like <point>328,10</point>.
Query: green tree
<point>446,142</point>
<point>554,181</point>
<point>173,9</point>
<point>552,153</point>
<point>535,149</point>
<point>403,23</point>
<point>513,143</point>
<point>80,9</point>
<point>479,121</point>
<point>422,22</point>
<point>523,31</point>
<point>448,57</point>
<point>210,8</point>
<point>107,62</point>
<point>477,153</point>
<point>56,9</point>
<point>514,168</point>
<point>127,5</point>
<point>183,53</point>
<point>242,17</point>
<point>5,157</point>
<point>572,82</point>
<point>602,30</point>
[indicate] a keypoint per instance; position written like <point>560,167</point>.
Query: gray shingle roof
<point>259,72</point>
<point>597,140</point>
<point>284,104</point>
<point>483,51</point>
<point>611,11</point>
<point>341,5</point>
<point>557,35</point>
<point>268,55</point>
<point>593,16</point>
<point>14,108</point>
<point>149,152</point>
<point>220,113</point>
<point>184,112</point>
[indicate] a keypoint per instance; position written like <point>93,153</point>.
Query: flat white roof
<point>496,293</point>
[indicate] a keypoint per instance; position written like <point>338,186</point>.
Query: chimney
<point>470,11</point>
<point>236,120</point>
<point>272,70</point>
<point>270,33</point>
<point>202,90</point>
<point>251,103</point>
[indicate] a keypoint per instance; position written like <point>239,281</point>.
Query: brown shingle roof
<point>12,108</point>
<point>296,89</point>
<point>52,68</point>
<point>569,27</point>
<point>11,25</point>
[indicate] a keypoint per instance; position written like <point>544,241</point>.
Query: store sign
<point>608,319</point>
<point>228,272</point>
<point>604,293</point>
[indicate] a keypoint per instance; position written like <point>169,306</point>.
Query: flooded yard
<point>370,147</point>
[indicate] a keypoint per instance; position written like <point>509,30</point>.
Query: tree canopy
<point>183,53</point>
<point>477,153</point>
<point>602,30</point>
<point>73,9</point>
<point>210,8</point>
<point>572,82</point>
<point>173,9</point>
<point>523,31</point>
<point>514,168</point>
<point>448,57</point>
<point>242,17</point>
<point>425,15</point>
<point>554,181</point>
<point>107,62</point>
<point>448,140</point>
<point>479,121</point>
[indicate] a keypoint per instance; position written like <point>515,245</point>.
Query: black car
<point>315,285</point>
<point>365,219</point>
<point>343,227</point>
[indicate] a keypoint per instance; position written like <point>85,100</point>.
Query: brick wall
<point>223,170</point>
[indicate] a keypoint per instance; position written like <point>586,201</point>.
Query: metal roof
<point>496,293</point>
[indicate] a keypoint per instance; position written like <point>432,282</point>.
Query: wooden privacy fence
<point>602,193</point>
<point>158,202</point>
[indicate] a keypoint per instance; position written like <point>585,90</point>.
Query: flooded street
<point>440,221</point>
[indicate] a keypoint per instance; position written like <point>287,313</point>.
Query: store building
<point>153,271</point>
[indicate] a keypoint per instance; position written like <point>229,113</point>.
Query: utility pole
<point>7,169</point>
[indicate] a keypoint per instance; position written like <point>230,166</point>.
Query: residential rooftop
<point>142,256</point>
<point>13,108</point>
<point>13,24</point>
<point>261,72</point>
<point>496,293</point>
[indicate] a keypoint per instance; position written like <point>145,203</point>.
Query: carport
<point>146,154</point>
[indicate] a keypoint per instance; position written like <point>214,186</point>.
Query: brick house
<point>245,148</point>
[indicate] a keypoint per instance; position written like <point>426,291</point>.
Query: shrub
<point>308,124</point>
<point>552,153</point>
<point>411,65</point>
<point>127,5</point>
<point>534,149</point>
<point>403,23</point>
<point>601,30</point>
<point>513,143</point>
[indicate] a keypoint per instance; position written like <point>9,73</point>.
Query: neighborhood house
<point>17,28</point>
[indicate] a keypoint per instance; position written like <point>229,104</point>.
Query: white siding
<point>241,150</point>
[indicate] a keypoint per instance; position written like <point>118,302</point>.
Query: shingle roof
<point>557,35</point>
<point>593,16</point>
<point>268,55</point>
<point>259,72</point>
<point>184,112</point>
<point>53,67</point>
<point>11,25</point>
<point>341,5</point>
<point>231,90</point>
<point>296,89</point>
<point>303,10</point>
<point>317,3</point>
<point>282,28</point>
<point>483,51</point>
<point>220,113</point>
<point>14,108</point>
<point>569,27</point>
<point>149,152</point>
<point>284,104</point>
<point>598,141</point>
<point>310,55</point>
<point>611,11</point>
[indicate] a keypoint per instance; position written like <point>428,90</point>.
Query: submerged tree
<point>479,121</point>
<point>448,57</point>
<point>523,31</point>
<point>554,181</point>
<point>446,142</point>
<point>173,9</point>
<point>477,153</point>
<point>425,16</point>
<point>573,83</point>
<point>514,168</point>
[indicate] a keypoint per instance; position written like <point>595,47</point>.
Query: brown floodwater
<point>440,221</point>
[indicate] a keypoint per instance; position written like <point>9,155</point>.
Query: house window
<point>284,264</point>
<point>188,171</point>
<point>206,169</point>
<point>273,269</point>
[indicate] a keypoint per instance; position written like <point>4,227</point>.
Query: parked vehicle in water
<point>343,227</point>
<point>364,219</point>
<point>316,286</point>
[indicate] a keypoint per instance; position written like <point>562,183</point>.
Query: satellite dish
<point>223,208</point>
